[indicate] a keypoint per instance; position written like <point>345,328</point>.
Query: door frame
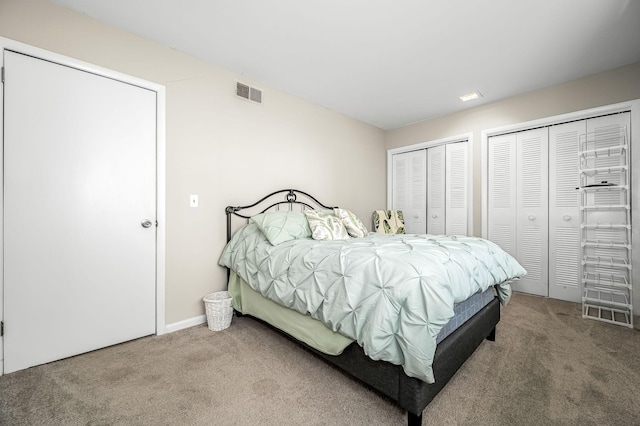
<point>11,45</point>
<point>465,137</point>
<point>634,107</point>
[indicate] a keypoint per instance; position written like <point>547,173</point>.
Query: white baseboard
<point>181,325</point>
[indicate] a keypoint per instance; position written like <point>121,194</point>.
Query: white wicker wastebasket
<point>219,310</point>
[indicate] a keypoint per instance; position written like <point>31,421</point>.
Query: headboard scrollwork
<point>292,198</point>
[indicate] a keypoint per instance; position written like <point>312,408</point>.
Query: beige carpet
<point>548,366</point>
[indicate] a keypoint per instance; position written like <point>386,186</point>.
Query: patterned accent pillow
<point>283,226</point>
<point>354,226</point>
<point>326,226</point>
<point>388,221</point>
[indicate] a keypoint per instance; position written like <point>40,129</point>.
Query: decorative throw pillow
<point>281,226</point>
<point>388,221</point>
<point>354,226</point>
<point>325,225</point>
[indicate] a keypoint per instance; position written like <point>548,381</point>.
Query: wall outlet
<point>193,200</point>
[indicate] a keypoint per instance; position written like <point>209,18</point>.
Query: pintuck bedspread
<point>391,293</point>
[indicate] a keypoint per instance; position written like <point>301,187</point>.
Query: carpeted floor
<point>548,366</point>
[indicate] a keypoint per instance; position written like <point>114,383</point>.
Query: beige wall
<point>226,150</point>
<point>606,88</point>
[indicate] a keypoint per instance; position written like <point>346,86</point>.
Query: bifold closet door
<point>502,192</point>
<point>564,212</point>
<point>409,188</point>
<point>456,188</point>
<point>534,205</point>
<point>518,203</point>
<point>430,186</point>
<point>532,213</point>
<point>436,190</point>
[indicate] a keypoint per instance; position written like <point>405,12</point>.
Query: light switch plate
<point>193,200</point>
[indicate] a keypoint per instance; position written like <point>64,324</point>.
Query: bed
<point>394,311</point>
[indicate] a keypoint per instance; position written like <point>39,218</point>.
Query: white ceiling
<point>390,62</point>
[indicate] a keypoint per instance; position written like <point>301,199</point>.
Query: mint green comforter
<point>391,293</point>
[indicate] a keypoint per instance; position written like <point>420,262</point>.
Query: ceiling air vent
<point>249,93</point>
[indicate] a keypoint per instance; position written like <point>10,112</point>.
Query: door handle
<point>435,215</point>
<point>566,218</point>
<point>531,217</point>
<point>146,223</point>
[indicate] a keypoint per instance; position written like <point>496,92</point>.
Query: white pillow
<point>354,226</point>
<point>325,226</point>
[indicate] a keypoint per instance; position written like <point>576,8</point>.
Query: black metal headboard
<point>274,201</point>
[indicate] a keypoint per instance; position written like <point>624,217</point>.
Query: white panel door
<point>457,176</point>
<point>409,189</point>
<point>79,161</point>
<point>436,167</point>
<point>564,211</point>
<point>532,213</point>
<point>502,192</point>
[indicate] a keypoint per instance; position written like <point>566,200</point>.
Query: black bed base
<point>410,393</point>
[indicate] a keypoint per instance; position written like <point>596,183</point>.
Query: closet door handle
<point>435,215</point>
<point>566,218</point>
<point>531,217</point>
<point>415,216</point>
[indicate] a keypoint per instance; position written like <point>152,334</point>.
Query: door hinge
<point>2,74</point>
<point>1,328</point>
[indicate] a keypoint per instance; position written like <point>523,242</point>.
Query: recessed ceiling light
<point>470,96</point>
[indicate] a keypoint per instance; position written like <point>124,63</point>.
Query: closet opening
<point>431,184</point>
<point>557,195</point>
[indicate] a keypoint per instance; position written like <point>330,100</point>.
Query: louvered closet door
<point>564,213</point>
<point>409,189</point>
<point>456,188</point>
<point>502,192</point>
<point>436,190</point>
<point>532,162</point>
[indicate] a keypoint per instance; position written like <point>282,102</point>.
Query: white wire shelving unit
<point>605,226</point>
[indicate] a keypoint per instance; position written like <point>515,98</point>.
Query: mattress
<point>465,310</point>
<point>312,332</point>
